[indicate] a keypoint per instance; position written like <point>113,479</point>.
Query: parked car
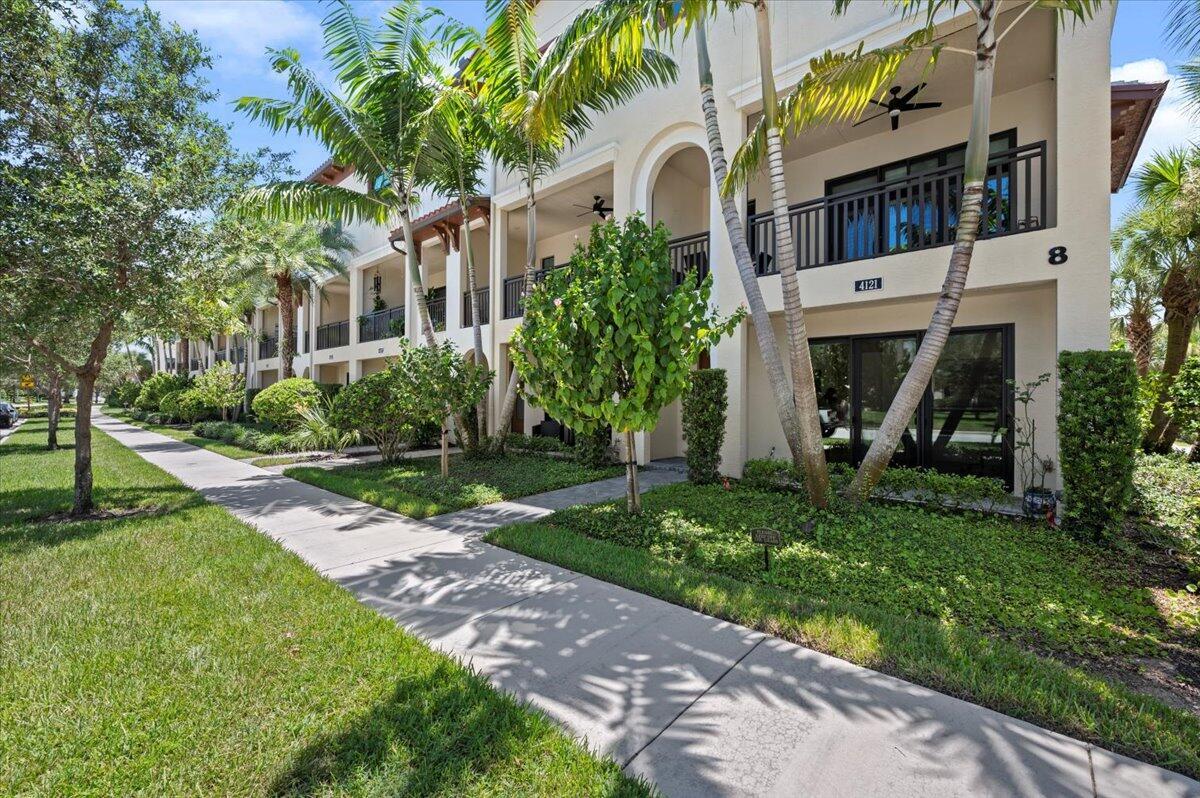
<point>8,415</point>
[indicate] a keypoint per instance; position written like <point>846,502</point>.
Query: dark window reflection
<point>831,368</point>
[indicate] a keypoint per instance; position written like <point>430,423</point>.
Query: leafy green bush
<point>1098,434</point>
<point>371,407</point>
<point>243,436</point>
<point>193,405</point>
<point>951,491</point>
<point>767,473</point>
<point>704,403</point>
<point>536,443</point>
<point>124,394</point>
<point>168,405</point>
<point>594,449</point>
<point>277,404</point>
<point>1185,404</point>
<point>316,432</point>
<point>156,387</point>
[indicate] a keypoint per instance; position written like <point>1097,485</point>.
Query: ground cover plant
<point>177,651</point>
<point>189,436</point>
<point>1002,613</point>
<point>415,488</point>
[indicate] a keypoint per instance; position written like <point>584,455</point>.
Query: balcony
<point>332,335</point>
<point>387,323</point>
<point>437,311</point>
<point>169,364</point>
<point>684,254</point>
<point>194,364</point>
<point>908,214</point>
<point>219,357</point>
<point>484,296</point>
<point>268,346</point>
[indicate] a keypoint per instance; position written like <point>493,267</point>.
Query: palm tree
<point>1168,228</point>
<point>459,133</point>
<point>1135,284</point>
<point>839,87</point>
<point>1183,31</point>
<point>379,127</point>
<point>290,257</point>
<point>543,97</point>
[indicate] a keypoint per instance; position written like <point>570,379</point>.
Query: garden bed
<point>184,653</point>
<point>415,487</point>
<point>995,611</point>
<point>183,432</point>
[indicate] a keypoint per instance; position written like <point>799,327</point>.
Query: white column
<point>412,326</point>
<point>454,289</point>
<point>355,369</point>
<point>314,317</point>
<point>356,308</point>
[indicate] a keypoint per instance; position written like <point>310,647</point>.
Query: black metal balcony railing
<point>169,364</point>
<point>437,312</point>
<point>514,291</point>
<point>333,334</point>
<point>307,342</point>
<point>239,354</point>
<point>219,357</point>
<point>194,364</point>
<point>484,295</point>
<point>388,323</point>
<point>688,253</point>
<point>910,213</point>
<point>268,346</point>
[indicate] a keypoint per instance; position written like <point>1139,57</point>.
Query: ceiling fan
<point>897,103</point>
<point>597,207</point>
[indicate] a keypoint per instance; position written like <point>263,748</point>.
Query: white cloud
<point>1173,124</point>
<point>241,30</point>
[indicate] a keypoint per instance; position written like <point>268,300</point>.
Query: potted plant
<point>1037,499</point>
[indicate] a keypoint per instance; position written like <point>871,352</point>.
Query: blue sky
<point>239,31</point>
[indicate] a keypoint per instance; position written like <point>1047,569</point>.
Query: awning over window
<point>1133,106</point>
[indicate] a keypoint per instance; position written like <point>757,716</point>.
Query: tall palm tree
<point>379,127</point>
<point>459,134</point>
<point>290,257</point>
<point>543,97</point>
<point>839,88</point>
<point>1135,285</point>
<point>1168,228</point>
<point>1183,31</point>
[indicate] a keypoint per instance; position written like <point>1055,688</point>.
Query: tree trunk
<point>1139,334</point>
<point>83,503</point>
<point>761,321</point>
<point>53,410</point>
<point>476,325</point>
<point>504,422</point>
<point>413,259</point>
<point>183,366</point>
<point>445,451</point>
<point>1163,429</point>
<point>249,319</point>
<point>285,298</point>
<point>633,498</point>
<point>908,397</point>
<point>804,387</point>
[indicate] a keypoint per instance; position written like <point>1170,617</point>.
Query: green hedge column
<point>1097,436</point>
<point>704,404</point>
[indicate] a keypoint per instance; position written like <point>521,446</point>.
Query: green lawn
<point>185,434</point>
<point>180,652</point>
<point>416,488</point>
<point>989,610</point>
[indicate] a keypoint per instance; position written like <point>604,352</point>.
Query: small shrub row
<point>244,436</point>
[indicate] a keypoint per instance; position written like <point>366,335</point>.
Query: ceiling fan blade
<point>876,102</point>
<point>577,205</point>
<point>896,122</point>
<point>922,106</point>
<point>912,92</point>
<point>585,213</point>
<point>868,119</point>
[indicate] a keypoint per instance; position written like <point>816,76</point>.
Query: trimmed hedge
<point>194,406</point>
<point>243,436</point>
<point>704,404</point>
<point>594,449</point>
<point>276,404</point>
<point>156,387</point>
<point>1098,434</point>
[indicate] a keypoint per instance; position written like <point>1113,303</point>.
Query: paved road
<point>697,705</point>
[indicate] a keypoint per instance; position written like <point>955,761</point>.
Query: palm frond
<point>297,200</point>
<point>349,44</point>
<point>1183,26</point>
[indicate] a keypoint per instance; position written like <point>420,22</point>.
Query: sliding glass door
<point>963,417</point>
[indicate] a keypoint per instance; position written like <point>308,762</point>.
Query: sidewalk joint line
<point>692,703</point>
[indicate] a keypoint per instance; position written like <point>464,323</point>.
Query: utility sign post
<point>28,383</point>
<point>766,537</point>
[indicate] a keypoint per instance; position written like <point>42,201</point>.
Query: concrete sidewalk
<point>697,705</point>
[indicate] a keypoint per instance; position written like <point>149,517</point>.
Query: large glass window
<point>968,405</point>
<point>831,369</point>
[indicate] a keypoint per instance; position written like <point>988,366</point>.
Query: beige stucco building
<point>874,209</point>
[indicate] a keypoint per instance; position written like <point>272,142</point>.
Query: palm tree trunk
<point>1139,334</point>
<point>908,397</point>
<point>413,259</point>
<point>804,388</point>
<point>504,422</point>
<point>760,319</point>
<point>1163,429</point>
<point>183,366</point>
<point>476,324</point>
<point>287,325</point>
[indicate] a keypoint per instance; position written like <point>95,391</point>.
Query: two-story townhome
<point>873,210</point>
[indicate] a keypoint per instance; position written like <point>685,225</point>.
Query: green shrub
<point>244,436</point>
<point>767,473</point>
<point>704,403</point>
<point>317,432</point>
<point>124,394</point>
<point>276,404</point>
<point>1185,404</point>
<point>330,389</point>
<point>156,387</point>
<point>221,388</point>
<point>1098,434</point>
<point>594,449</point>
<point>371,407</point>
<point>952,491</point>
<point>168,405</point>
<point>194,405</point>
